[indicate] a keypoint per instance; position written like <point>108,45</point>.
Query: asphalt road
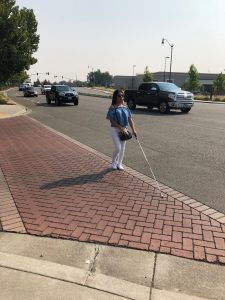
<point>186,151</point>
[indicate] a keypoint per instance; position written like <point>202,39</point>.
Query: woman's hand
<point>135,133</point>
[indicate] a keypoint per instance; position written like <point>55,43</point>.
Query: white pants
<point>118,153</point>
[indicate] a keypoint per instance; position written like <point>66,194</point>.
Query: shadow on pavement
<point>84,179</point>
<point>54,105</point>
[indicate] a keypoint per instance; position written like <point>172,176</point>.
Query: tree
<point>219,84</point>
<point>147,75</point>
<point>192,83</point>
<point>47,82</point>
<point>37,82</point>
<point>18,78</point>
<point>98,78</point>
<point>19,40</point>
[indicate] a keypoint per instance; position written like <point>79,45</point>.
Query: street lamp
<point>133,76</point>
<point>92,71</point>
<point>165,68</point>
<point>171,56</point>
<point>133,69</point>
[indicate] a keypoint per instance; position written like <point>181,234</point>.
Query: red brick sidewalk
<point>60,188</point>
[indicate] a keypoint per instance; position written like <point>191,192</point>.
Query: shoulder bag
<point>125,135</point>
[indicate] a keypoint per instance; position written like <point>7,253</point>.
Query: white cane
<point>157,184</point>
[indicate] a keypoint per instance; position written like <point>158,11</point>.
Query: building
<point>133,82</point>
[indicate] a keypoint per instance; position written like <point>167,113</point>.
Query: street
<point>186,152</point>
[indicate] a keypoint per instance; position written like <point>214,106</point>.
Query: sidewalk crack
<point>153,277</point>
<point>91,269</point>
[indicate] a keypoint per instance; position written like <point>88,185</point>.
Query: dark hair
<point>115,95</point>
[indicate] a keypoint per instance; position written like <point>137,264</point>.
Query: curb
<point>94,95</point>
<point>211,102</point>
<point>75,275</point>
<point>9,216</point>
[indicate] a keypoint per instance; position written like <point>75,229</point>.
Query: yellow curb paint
<point>2,115</point>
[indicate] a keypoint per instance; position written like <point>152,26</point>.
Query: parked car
<point>22,87</point>
<point>163,95</point>
<point>45,88</point>
<point>62,94</point>
<point>29,91</point>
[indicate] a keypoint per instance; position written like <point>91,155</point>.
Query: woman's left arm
<point>131,123</point>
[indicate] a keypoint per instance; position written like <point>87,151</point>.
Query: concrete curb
<point>9,214</point>
<point>210,102</point>
<point>75,275</point>
<point>94,95</point>
<point>90,279</point>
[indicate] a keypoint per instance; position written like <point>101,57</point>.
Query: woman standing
<point>119,116</point>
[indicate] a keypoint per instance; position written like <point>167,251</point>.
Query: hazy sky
<point>115,35</point>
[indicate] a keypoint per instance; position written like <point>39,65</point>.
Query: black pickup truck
<point>62,94</point>
<point>163,95</point>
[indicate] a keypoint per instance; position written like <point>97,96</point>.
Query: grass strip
<point>4,99</point>
<point>94,95</point>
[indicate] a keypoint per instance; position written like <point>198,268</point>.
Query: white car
<point>45,88</point>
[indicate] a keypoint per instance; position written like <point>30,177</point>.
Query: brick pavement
<point>52,185</point>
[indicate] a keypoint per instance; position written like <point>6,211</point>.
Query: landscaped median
<point>207,98</point>
<point>4,99</point>
<point>9,108</point>
<point>94,95</point>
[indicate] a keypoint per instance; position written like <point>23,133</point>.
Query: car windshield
<point>30,88</point>
<point>63,88</point>
<point>47,86</point>
<point>168,87</point>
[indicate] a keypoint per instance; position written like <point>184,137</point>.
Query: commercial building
<point>133,82</point>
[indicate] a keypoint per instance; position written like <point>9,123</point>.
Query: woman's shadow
<point>84,179</point>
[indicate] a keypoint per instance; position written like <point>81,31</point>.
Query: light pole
<point>92,71</point>
<point>171,54</point>
<point>165,68</point>
<point>133,76</point>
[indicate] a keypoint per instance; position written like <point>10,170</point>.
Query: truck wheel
<point>185,110</point>
<point>57,102</point>
<point>48,100</point>
<point>163,107</point>
<point>75,102</point>
<point>131,104</point>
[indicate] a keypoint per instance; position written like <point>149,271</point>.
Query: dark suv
<point>62,94</point>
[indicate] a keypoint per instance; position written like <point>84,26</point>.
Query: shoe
<point>120,167</point>
<point>114,166</point>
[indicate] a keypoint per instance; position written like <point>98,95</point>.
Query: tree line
<point>18,41</point>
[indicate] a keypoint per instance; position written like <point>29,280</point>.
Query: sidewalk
<point>53,186</point>
<point>8,111</point>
